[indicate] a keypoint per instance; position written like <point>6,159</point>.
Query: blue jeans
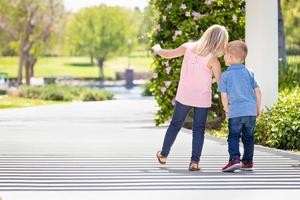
<point>241,127</point>
<point>199,122</point>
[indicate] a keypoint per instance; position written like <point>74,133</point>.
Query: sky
<point>75,5</point>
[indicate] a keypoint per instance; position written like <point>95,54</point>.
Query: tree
<point>101,32</point>
<point>145,25</point>
<point>281,37</point>
<point>178,22</point>
<point>28,23</point>
<point>291,14</point>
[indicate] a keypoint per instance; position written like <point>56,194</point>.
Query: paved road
<point>107,149</point>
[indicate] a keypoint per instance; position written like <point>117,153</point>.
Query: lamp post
<point>129,73</point>
<point>129,45</point>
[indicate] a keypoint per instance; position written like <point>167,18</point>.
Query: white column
<point>262,41</point>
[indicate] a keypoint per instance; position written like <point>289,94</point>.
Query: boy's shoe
<point>247,166</point>
<point>232,165</point>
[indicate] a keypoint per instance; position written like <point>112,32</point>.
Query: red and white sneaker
<point>232,165</point>
<point>247,166</point>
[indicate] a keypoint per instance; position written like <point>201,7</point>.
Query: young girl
<point>194,91</point>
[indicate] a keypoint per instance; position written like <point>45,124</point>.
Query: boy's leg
<point>235,128</point>
<point>199,122</point>
<point>248,138</point>
<point>178,118</point>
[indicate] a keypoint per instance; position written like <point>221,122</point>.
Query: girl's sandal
<point>194,166</point>
<point>161,159</point>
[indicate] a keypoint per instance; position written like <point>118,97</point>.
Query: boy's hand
<point>226,112</point>
<point>156,48</point>
<point>258,111</point>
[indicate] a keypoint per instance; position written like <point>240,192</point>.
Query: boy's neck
<point>236,63</point>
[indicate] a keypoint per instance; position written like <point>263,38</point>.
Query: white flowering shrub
<point>181,21</point>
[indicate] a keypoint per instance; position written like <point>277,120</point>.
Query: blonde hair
<point>213,40</point>
<point>238,49</point>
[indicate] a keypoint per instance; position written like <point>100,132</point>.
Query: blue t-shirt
<point>238,83</point>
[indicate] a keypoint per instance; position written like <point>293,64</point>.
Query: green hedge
<point>64,93</point>
<point>178,22</point>
<point>279,126</point>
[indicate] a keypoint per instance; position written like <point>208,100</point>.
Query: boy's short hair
<point>237,48</point>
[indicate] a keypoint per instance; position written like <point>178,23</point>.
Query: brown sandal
<point>160,157</point>
<point>192,166</point>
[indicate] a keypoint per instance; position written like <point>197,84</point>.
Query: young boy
<point>241,98</point>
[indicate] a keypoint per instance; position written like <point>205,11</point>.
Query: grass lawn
<point>17,102</point>
<point>293,59</point>
<point>77,66</point>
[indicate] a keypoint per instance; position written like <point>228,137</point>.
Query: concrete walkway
<point>105,150</point>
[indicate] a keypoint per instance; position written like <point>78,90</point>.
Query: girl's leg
<point>178,118</point>
<point>200,116</point>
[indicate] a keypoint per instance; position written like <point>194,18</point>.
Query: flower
<point>164,18</point>
<point>208,2</point>
<point>169,6</point>
<point>167,63</point>
<point>234,18</point>
<point>177,33</point>
<point>196,15</point>
<point>155,75</point>
<point>168,70</point>
<point>173,102</point>
<point>183,6</point>
<point>163,90</point>
<point>158,28</point>
<point>167,84</point>
<point>187,14</point>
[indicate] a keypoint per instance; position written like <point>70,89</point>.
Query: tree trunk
<point>32,64</point>
<point>101,66</point>
<point>21,63</point>
<point>92,59</point>
<point>281,38</point>
<point>29,67</point>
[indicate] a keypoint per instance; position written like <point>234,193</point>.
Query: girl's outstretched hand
<point>156,48</point>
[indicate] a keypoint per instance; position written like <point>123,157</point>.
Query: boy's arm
<point>216,68</point>
<point>224,102</point>
<point>170,53</point>
<point>258,101</point>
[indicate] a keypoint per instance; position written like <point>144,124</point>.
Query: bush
<point>52,93</point>
<point>279,126</point>
<point>94,95</point>
<point>178,22</point>
<point>290,77</point>
<point>147,90</point>
<point>30,92</point>
<point>64,93</point>
<point>3,92</point>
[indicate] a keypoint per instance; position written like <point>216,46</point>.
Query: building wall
<point>262,41</point>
